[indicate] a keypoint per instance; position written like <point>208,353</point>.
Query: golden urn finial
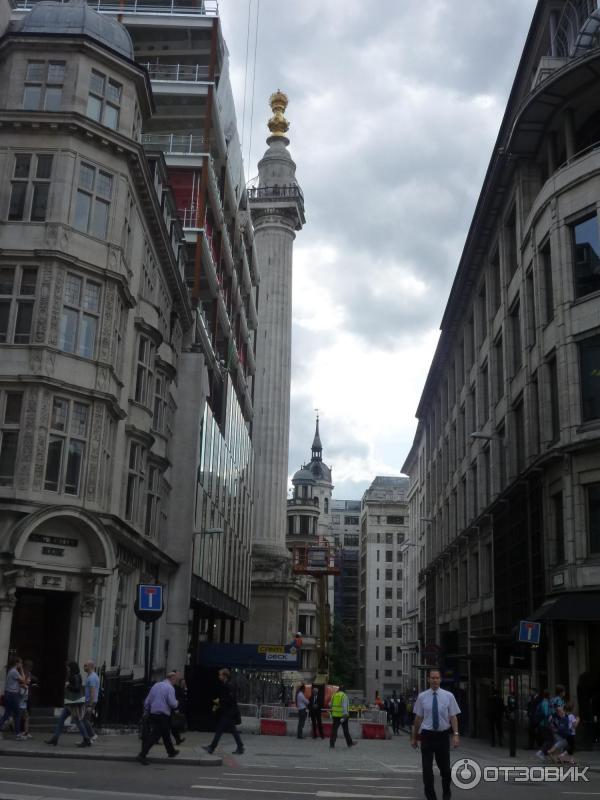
<point>278,124</point>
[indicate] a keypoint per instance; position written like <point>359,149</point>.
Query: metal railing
<point>275,192</point>
<point>176,144</point>
<point>185,73</point>
<point>204,8</point>
<point>189,218</point>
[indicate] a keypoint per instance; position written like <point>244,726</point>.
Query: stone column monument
<point>277,207</point>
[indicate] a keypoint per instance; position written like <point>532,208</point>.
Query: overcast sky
<point>394,109</point>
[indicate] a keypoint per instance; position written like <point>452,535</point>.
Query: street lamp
<point>488,437</point>
<point>208,532</point>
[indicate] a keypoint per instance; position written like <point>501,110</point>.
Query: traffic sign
<point>149,601</point>
<point>529,632</point>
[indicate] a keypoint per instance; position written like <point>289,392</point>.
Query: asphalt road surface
<point>48,779</point>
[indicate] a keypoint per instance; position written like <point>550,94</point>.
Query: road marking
<point>249,775</point>
<point>51,771</point>
<point>245,789</point>
<point>97,792</point>
<point>370,796</point>
<point>318,782</point>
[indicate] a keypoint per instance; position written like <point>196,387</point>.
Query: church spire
<point>317,447</point>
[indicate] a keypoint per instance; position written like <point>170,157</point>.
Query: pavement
<point>268,751</point>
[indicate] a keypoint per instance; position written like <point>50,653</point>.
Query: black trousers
<point>496,724</point>
<point>337,721</point>
<point>436,743</point>
<point>225,725</point>
<point>317,724</point>
<point>302,713</point>
<point>160,728</point>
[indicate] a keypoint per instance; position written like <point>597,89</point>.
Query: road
<point>49,779</point>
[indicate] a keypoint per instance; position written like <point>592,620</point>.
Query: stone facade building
<point>383,530</point>
<point>507,453</point>
<point>125,381</point>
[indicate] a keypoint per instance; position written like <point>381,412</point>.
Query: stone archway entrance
<point>40,632</point>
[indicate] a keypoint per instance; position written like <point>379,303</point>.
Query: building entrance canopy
<point>570,607</point>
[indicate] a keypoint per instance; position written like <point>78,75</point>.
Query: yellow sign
<point>267,648</point>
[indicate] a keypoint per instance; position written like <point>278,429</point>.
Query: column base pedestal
<point>275,594</point>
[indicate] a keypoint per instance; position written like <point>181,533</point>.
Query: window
<point>388,632</point>
<point>496,282</point>
<point>104,100</point>
<point>388,653</point>
<point>389,573</point>
<point>135,481</point>
<point>398,631</point>
<point>43,85</point>
<point>119,319</point>
<point>554,406</point>
<point>589,359</point>
<point>510,243</point>
<point>530,299</point>
<point>389,555</point>
<point>593,498</point>
<point>485,395</point>
<point>160,402</point>
<point>519,431</point>
<point>335,519</point>
<point>482,314</point>
<point>400,540</point>
<point>388,593</point>
<point>350,540</point>
<point>326,506</point>
<point>586,256</point>
<point>388,612</point>
<point>66,446</point>
<point>395,520</point>
<point>515,334</point>
<point>30,187</point>
<point>92,207</point>
<point>398,574</point>
<point>351,520</point>
<point>80,316</point>
<point>559,528</point>
<point>389,538</point>
<point>10,422</point>
<point>546,256</point>
<point>398,593</point>
<point>152,503</point>
<point>17,293</point>
<point>145,370</point>
<point>399,612</point>
<point>499,369</point>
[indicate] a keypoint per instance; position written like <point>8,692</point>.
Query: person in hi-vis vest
<point>340,713</point>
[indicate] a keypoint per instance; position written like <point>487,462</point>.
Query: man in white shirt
<point>436,713</point>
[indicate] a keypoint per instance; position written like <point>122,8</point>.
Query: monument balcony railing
<point>201,8</point>
<point>291,192</point>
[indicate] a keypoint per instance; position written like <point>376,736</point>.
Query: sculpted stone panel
<point>95,450</point>
<point>107,322</point>
<point>44,290</point>
<point>27,439</point>
<point>40,449</point>
<point>57,299</point>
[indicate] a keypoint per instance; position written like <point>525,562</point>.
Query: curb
<point>187,761</point>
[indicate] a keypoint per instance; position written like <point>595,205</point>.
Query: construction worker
<point>340,713</point>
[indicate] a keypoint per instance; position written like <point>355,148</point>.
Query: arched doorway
<point>61,561</point>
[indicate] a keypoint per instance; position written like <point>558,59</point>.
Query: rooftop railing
<point>176,144</point>
<point>186,73</point>
<point>203,8</point>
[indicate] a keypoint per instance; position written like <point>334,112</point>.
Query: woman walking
<point>228,714</point>
<point>302,708</point>
<point>74,706</point>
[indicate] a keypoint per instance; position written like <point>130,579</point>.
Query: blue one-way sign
<point>529,632</point>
